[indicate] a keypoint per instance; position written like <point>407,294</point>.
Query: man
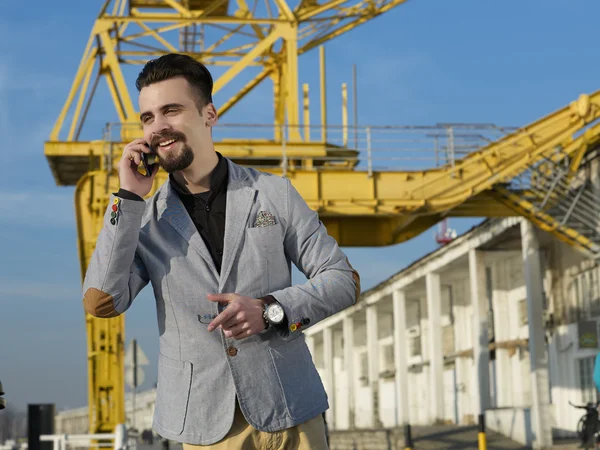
<point>216,241</point>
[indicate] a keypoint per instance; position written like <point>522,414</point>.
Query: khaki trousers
<point>242,436</point>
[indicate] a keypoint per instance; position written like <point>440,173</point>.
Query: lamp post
<point>2,401</point>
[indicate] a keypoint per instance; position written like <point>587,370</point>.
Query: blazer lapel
<point>171,210</point>
<point>240,197</point>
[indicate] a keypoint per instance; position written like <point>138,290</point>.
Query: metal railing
<point>64,441</point>
<point>368,148</point>
<point>122,439</point>
<point>568,197</point>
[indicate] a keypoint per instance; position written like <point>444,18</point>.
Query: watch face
<point>275,313</point>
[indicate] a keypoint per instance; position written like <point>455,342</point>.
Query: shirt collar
<point>218,179</point>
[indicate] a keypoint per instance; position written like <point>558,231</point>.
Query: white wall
<point>513,385</point>
<point>458,401</point>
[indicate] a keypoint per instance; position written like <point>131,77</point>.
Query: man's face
<point>172,124</point>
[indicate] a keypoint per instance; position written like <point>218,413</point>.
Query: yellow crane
<point>472,170</point>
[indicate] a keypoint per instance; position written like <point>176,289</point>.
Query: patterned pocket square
<point>264,219</point>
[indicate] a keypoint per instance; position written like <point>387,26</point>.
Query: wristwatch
<point>273,312</point>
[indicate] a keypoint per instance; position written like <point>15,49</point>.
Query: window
<point>413,326</point>
<point>415,346</point>
<point>448,339</point>
<point>523,316</point>
<point>363,374</point>
<point>489,289</point>
<point>593,291</point>
<point>386,356</point>
<point>585,290</point>
<point>585,369</point>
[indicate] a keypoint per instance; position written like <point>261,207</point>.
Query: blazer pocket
<point>298,376</point>
<point>173,392</point>
<point>267,238</point>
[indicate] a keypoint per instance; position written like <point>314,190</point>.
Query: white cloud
<point>37,209</point>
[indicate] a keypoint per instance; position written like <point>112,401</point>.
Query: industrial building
<point>415,348</point>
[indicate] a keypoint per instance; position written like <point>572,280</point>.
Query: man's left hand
<point>243,316</point>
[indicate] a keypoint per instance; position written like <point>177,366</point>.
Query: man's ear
<point>212,117</point>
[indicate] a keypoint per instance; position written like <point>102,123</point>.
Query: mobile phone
<point>148,161</point>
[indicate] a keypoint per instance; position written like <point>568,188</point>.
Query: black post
<point>481,439</point>
<point>408,442</point>
<point>481,423</point>
<point>2,401</point>
<point>40,420</point>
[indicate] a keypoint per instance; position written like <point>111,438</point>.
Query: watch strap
<point>269,299</point>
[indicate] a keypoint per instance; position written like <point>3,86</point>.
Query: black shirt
<point>207,209</point>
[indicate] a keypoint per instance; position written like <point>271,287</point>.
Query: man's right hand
<point>129,177</point>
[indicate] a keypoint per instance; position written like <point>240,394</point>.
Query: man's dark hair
<point>175,65</point>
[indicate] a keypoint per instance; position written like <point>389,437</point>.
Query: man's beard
<point>174,162</point>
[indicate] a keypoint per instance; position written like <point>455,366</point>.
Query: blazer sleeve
<point>116,274</point>
<point>332,283</point>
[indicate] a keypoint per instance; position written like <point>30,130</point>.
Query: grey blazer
<point>200,373</point>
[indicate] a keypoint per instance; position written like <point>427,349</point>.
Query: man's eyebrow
<point>162,108</point>
<point>171,105</point>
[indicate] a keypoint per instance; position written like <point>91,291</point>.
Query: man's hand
<point>243,316</point>
<point>129,177</point>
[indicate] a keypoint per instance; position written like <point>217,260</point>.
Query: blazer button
<point>232,351</point>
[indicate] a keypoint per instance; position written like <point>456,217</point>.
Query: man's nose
<point>159,125</point>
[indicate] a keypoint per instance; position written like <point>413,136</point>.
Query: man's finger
<point>243,334</point>
<point>224,316</point>
<point>238,328</point>
<point>137,148</point>
<point>138,141</point>
<point>228,297</point>
<point>235,330</point>
<point>231,322</point>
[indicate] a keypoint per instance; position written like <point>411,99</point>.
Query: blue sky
<point>424,62</point>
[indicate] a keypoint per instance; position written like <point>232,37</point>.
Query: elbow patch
<point>99,304</point>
